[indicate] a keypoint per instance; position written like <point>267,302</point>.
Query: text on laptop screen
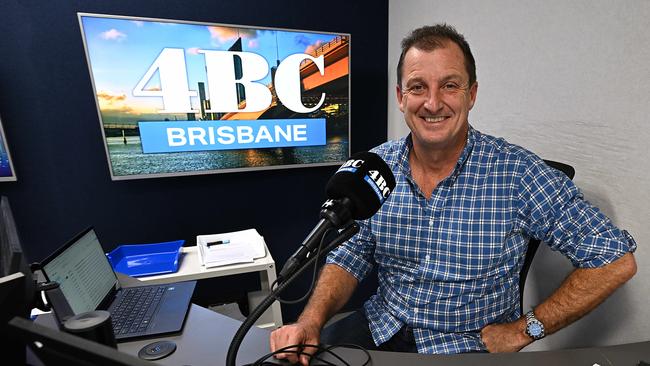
<point>83,273</point>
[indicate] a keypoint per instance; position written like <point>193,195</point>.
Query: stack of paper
<point>229,248</point>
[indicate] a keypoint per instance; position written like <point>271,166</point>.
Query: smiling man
<point>450,241</point>
<point>436,97</point>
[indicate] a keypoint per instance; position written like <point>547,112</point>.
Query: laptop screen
<point>83,272</point>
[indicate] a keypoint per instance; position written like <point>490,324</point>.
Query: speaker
<point>92,325</point>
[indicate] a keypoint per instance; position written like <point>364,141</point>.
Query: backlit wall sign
<point>179,97</point>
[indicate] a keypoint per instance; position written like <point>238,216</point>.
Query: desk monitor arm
<point>344,235</point>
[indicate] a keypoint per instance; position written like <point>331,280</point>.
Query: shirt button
<point>427,257</point>
<point>415,310</point>
<point>431,222</point>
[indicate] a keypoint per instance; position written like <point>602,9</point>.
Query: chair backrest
<point>533,244</point>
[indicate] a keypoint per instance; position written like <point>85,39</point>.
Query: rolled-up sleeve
<point>555,211</point>
<point>356,254</point>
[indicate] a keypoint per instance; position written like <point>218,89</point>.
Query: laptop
<point>87,282</point>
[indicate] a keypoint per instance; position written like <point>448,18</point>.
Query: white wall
<point>569,80</point>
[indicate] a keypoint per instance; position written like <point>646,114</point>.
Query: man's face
<point>435,96</point>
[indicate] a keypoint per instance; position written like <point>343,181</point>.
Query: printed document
<point>230,248</point>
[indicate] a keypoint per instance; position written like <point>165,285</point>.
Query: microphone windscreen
<point>366,180</point>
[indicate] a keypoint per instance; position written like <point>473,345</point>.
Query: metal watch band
<point>530,315</point>
<point>534,327</point>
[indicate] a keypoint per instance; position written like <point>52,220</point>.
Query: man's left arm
<point>581,292</point>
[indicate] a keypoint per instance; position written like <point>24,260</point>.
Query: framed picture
<point>7,172</point>
<point>181,98</point>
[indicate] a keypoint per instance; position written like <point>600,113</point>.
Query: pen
<point>209,244</point>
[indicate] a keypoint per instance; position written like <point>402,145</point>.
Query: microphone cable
<point>313,277</point>
<point>320,351</point>
<point>231,355</point>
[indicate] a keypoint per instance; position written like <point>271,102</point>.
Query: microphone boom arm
<point>344,235</point>
<point>334,214</point>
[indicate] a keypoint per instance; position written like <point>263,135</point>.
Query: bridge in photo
<point>336,55</point>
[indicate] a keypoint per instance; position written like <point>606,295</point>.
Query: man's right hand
<point>297,333</point>
<point>334,288</point>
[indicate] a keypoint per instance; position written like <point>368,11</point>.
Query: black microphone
<point>355,192</point>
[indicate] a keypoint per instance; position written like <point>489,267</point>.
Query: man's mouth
<point>434,119</point>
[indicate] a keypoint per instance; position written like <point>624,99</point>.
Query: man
<point>450,240</point>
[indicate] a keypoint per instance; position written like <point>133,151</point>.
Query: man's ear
<point>401,99</point>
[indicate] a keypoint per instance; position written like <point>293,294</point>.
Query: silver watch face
<point>535,329</point>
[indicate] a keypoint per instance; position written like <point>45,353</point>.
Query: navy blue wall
<point>50,119</point>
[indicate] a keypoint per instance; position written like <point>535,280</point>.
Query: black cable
<point>320,350</point>
<point>314,357</point>
<point>261,360</point>
<point>231,356</point>
<point>313,277</point>
<point>355,346</point>
<point>329,351</point>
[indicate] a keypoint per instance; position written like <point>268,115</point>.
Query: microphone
<point>355,192</point>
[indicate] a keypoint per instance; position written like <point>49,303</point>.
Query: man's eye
<point>450,86</point>
<point>416,89</point>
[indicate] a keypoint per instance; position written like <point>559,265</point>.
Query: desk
<point>207,335</point>
<point>620,355</point>
<point>190,268</point>
<point>205,341</point>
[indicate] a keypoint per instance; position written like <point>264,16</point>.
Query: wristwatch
<point>534,328</point>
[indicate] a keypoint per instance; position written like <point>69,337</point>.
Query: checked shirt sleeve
<point>554,210</point>
<point>356,254</point>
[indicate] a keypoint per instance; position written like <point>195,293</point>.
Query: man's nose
<point>434,100</point>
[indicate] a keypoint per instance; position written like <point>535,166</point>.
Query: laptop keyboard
<point>135,308</point>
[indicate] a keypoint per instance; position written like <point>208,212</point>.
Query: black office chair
<point>533,244</point>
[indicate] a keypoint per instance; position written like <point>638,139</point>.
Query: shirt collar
<point>405,167</point>
<point>472,135</point>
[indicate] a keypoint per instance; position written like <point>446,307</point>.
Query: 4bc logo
<point>380,181</point>
<point>353,163</point>
<point>222,81</point>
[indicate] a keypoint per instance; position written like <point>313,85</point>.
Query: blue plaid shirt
<point>449,265</point>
